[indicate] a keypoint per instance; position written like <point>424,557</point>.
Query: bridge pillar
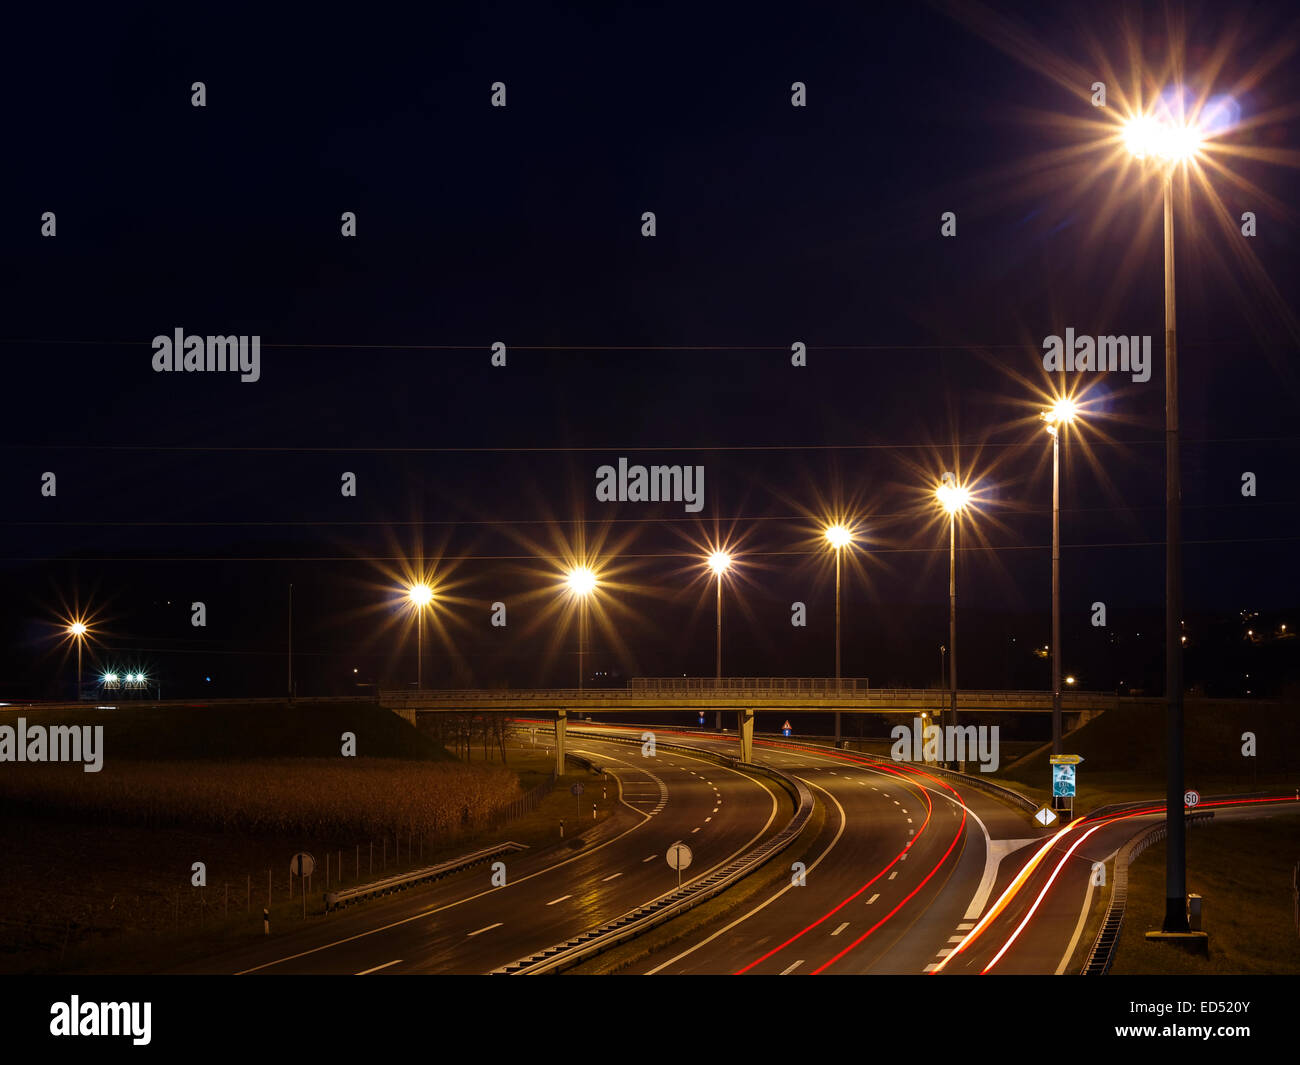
<point>561,718</point>
<point>747,734</point>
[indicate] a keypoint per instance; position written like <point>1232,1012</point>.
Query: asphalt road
<point>903,865</point>
<point>465,925</point>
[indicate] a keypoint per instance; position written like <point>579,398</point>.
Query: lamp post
<point>838,537</point>
<point>420,595</point>
<point>1168,141</point>
<point>953,498</point>
<point>77,630</point>
<point>1062,413</point>
<point>719,563</point>
<point>581,582</point>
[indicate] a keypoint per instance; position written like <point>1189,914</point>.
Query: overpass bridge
<point>743,696</point>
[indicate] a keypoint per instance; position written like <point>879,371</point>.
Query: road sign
<point>1045,816</point>
<point>679,856</point>
<point>1065,759</point>
<point>576,789</point>
<point>701,717</point>
<point>785,729</point>
<point>1063,781</point>
<point>302,864</point>
<point>1191,798</point>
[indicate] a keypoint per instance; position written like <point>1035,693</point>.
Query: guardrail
<point>471,700</point>
<point>1102,953</point>
<point>637,921</point>
<point>335,899</point>
<point>736,684</point>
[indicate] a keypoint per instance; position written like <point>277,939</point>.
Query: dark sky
<point>522,224</point>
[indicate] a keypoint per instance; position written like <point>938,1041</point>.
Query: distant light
<point>1069,680</point>
<point>581,581</point>
<point>77,628</point>
<point>110,678</point>
<point>719,562</point>
<point>420,594</point>
<point>838,536</point>
<point>208,679</point>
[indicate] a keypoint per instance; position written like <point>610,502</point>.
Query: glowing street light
<point>1169,139</point>
<point>719,562</point>
<point>839,537</point>
<point>78,630</point>
<point>581,582</point>
<point>419,596</point>
<point>1059,416</point>
<point>953,499</point>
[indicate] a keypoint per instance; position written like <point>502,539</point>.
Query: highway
<point>463,924</point>
<point>906,873</point>
<point>901,866</point>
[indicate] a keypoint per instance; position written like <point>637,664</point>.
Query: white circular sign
<point>1191,798</point>
<point>679,856</point>
<point>302,864</point>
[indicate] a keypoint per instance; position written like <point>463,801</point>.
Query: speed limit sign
<point>1191,798</point>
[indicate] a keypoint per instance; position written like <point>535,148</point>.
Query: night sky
<point>775,224</point>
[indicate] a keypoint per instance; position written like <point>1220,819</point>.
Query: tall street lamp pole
<point>839,537</point>
<point>953,498</point>
<point>1176,852</point>
<point>719,562</point>
<point>1061,414</point>
<point>1172,141</point>
<point>420,595</point>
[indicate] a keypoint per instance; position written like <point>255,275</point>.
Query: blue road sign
<point>1063,781</point>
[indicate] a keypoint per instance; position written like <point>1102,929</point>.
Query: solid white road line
<point>1078,928</point>
<point>367,972</point>
<point>488,928</point>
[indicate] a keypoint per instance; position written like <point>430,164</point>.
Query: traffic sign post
<point>785,729</point>
<point>679,857</point>
<point>302,865</point>
<point>1064,781</point>
<point>576,791</point>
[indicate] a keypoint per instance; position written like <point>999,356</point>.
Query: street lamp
<point>1168,141</point>
<point>839,537</point>
<point>581,582</point>
<point>953,499</point>
<point>77,630</point>
<point>1062,413</point>
<point>719,562</point>
<point>420,596</point>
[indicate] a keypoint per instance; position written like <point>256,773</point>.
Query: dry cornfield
<point>317,798</point>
